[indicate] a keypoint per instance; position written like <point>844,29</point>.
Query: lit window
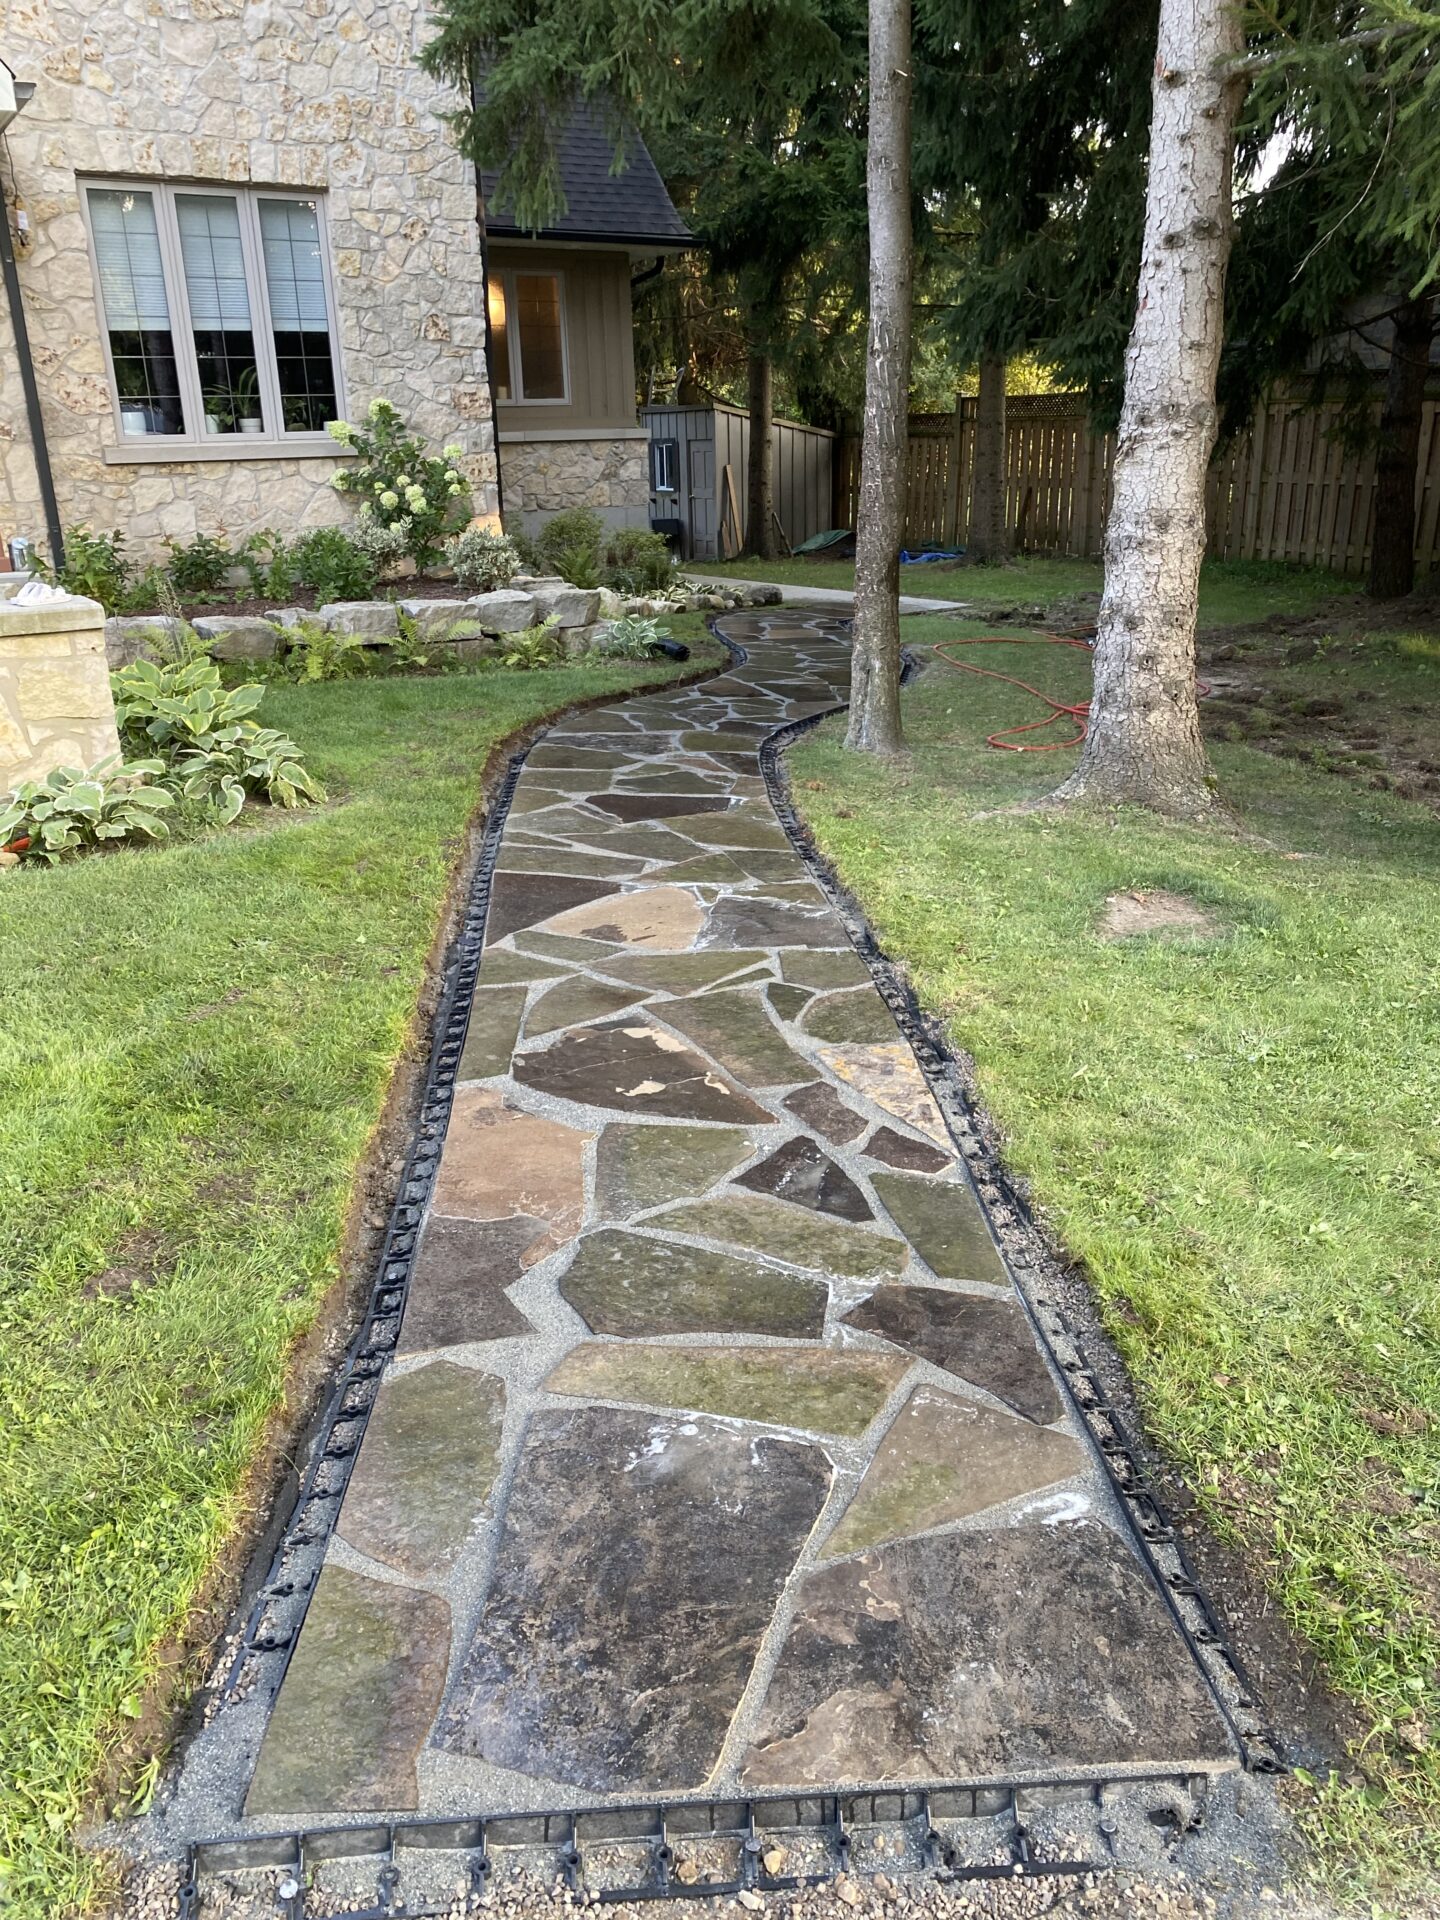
<point>217,311</point>
<point>527,337</point>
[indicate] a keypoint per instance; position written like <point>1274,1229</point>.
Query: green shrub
<point>398,484</point>
<point>269,559</point>
<point>335,566</point>
<point>631,638</point>
<point>95,566</point>
<point>148,591</point>
<point>540,646</point>
<point>199,566</point>
<point>636,561</point>
<point>385,546</point>
<point>571,541</point>
<point>70,810</point>
<point>482,560</point>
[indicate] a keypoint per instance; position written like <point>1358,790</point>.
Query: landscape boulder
<point>568,606</point>
<point>230,636</point>
<point>442,620</point>
<point>139,636</point>
<point>503,611</point>
<point>373,620</point>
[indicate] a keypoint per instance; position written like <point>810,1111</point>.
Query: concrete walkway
<point>715,1452</point>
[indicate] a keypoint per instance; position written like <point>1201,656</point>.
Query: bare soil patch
<point>1155,911</point>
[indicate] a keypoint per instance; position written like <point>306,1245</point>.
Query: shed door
<point>700,482</point>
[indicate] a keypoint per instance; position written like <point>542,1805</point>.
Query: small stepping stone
<point>635,1067</point>
<point>915,1663</point>
<point>819,1106</point>
<point>943,1222</point>
<point>493,1029</point>
<point>357,1701</point>
<point>974,1336</point>
<point>798,1171</point>
<point>426,1467</point>
<point>944,1459</point>
<point>457,1289</point>
<point>621,1283</point>
<point>783,1386</point>
<point>788,1001</point>
<point>641,1167</point>
<point>662,1577</point>
<point>796,1235</point>
<point>912,1156</point>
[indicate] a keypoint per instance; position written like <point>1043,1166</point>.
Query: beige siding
<point>598,337</point>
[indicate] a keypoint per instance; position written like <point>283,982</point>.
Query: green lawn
<point>1237,1136</point>
<point>196,1046</point>
<point>1230,590</point>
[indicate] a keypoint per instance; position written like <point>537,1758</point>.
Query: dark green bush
<point>199,565</point>
<point>334,565</point>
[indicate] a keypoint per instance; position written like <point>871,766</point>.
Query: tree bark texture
<point>1144,741</point>
<point>988,537</point>
<point>759,495</point>
<point>874,725</point>
<point>1392,546</point>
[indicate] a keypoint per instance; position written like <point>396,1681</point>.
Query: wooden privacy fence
<point>1291,489</point>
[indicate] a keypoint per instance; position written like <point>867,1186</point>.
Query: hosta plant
<point>170,706</point>
<point>71,809</point>
<point>226,765</point>
<point>632,637</point>
<point>211,747</point>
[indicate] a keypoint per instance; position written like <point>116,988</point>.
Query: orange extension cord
<point>1078,712</point>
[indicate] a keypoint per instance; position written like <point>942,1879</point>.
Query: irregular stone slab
<point>562,859</point>
<point>799,1171</point>
<point>646,1551</point>
<point>492,1032</point>
<point>941,1461</point>
<point>558,824</point>
<point>767,868</point>
<point>735,1029</point>
<point>974,1336</point>
<point>680,973</point>
<point>718,740</point>
<point>646,842</point>
<point>808,1387</point>
<point>529,798</point>
<point>357,1701</point>
<point>890,1077</point>
<point>632,1067</point>
<point>559,946</point>
<point>426,1467</point>
<point>639,806</point>
<point>715,869</point>
<point>640,1167</point>
<point>670,780</point>
<point>860,1016</point>
<point>524,899</point>
<point>571,1002</point>
<point>559,753</point>
<point>803,1238</point>
<point>623,1284</point>
<point>899,1150</point>
<point>825,970</point>
<point>457,1289</point>
<point>498,1160</point>
<point>742,922</point>
<point>664,919</point>
<point>943,1223</point>
<point>915,1663</point>
<point>820,1107</point>
<point>788,1001</point>
<point>500,968</point>
<point>735,829</point>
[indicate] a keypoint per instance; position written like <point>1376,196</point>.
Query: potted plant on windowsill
<point>137,415</point>
<point>219,412</point>
<point>247,401</point>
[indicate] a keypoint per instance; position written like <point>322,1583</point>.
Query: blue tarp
<point>931,553</point>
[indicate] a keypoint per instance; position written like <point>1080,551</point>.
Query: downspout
<point>38,445</point>
<point>482,228</point>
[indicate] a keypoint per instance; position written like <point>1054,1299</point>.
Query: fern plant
<point>538,647</point>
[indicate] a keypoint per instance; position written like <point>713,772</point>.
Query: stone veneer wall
<point>55,704</point>
<point>291,94</point>
<point>543,476</point>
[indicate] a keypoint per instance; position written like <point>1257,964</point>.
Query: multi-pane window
<point>218,312</point>
<point>527,336</point>
<point>663,457</point>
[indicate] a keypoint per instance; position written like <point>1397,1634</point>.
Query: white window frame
<point>195,443</point>
<point>507,276</point>
<point>670,450</point>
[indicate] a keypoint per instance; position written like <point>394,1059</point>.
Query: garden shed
<point>698,458</point>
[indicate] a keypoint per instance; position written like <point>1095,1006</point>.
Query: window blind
<point>127,252</point>
<point>294,275</point>
<point>214,260</point>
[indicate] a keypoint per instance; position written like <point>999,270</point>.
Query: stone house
<point>238,221</point>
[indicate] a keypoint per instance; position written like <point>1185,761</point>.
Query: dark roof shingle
<point>600,205</point>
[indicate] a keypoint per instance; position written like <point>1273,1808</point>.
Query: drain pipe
<point>19,93</point>
<point>482,229</point>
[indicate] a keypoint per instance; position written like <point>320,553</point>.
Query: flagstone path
<point>716,1452</point>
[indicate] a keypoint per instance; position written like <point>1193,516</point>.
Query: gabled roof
<point>629,207</point>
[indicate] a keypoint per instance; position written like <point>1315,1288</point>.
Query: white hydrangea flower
<point>340,430</point>
<point>389,500</point>
<point>454,451</point>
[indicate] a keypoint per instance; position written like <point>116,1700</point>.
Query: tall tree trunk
<point>1144,740</point>
<point>875,667</point>
<point>1392,551</point>
<point>988,537</point>
<point>759,500</point>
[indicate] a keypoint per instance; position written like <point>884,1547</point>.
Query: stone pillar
<point>55,704</point>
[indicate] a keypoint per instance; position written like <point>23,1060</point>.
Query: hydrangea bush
<point>415,495</point>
